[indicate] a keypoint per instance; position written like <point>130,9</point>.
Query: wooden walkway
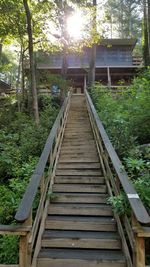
<point>79,229</point>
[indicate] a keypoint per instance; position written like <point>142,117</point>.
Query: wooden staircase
<point>79,230</point>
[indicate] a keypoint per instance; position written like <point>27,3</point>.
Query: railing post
<point>24,250</point>
<point>24,257</point>
<point>140,251</point>
<point>139,256</point>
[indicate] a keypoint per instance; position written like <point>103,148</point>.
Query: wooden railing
<point>133,230</point>
<point>38,189</point>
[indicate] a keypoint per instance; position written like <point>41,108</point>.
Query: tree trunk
<point>146,54</point>
<point>0,50</point>
<point>148,26</point>
<point>18,93</point>
<point>32,63</point>
<point>91,75</point>
<point>22,77</point>
<point>92,66</point>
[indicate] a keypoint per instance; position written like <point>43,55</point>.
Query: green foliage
<point>120,204</point>
<point>21,144</point>
<point>9,249</point>
<point>44,79</point>
<point>126,117</point>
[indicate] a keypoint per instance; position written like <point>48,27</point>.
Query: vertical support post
<point>109,77</point>
<point>24,251</point>
<point>84,88</point>
<point>140,251</point>
<point>139,255</point>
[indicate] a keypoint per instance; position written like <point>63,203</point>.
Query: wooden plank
<point>81,243</point>
<point>78,172</point>
<point>79,198</point>
<point>14,230</point>
<point>80,209</point>
<point>79,180</point>
<point>64,159</point>
<point>83,188</point>
<point>79,147</point>
<point>81,223</point>
<point>78,166</point>
<point>77,142</point>
<point>77,154</point>
<point>140,251</point>
<point>74,258</point>
<point>142,231</point>
<point>47,262</point>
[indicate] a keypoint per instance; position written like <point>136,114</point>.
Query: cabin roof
<point>116,41</point>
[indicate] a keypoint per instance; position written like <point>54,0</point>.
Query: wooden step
<point>79,172</point>
<point>77,165</point>
<point>80,239</point>
<point>79,198</point>
<point>79,179</point>
<point>80,258</point>
<point>79,147</point>
<point>78,139</point>
<point>78,136</point>
<point>78,155</point>
<point>84,188</point>
<point>81,223</point>
<point>72,159</point>
<point>80,209</point>
<point>77,143</point>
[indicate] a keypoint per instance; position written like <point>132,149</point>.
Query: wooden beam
<point>140,251</point>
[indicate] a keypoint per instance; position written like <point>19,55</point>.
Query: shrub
<point>9,249</point>
<point>126,117</point>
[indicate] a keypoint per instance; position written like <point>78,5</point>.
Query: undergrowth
<point>21,143</point>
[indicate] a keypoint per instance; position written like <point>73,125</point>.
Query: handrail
<point>138,208</point>
<point>14,229</point>
<point>25,206</point>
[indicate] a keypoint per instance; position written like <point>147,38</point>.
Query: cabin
<point>4,87</point>
<point>114,63</point>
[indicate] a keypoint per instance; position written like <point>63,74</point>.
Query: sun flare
<point>75,25</point>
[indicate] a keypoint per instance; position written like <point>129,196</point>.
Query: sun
<point>75,25</point>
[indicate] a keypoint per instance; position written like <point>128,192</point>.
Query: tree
<point>146,32</point>
<point>91,75</point>
<point>32,63</point>
<point>123,18</point>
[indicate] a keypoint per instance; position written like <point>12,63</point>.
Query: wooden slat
<point>80,209</point>
<point>14,230</point>
<point>78,166</point>
<point>80,198</point>
<point>79,179</point>
<point>83,188</point>
<point>78,172</point>
<point>80,263</point>
<point>81,223</point>
<point>80,239</point>
<point>80,258</point>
